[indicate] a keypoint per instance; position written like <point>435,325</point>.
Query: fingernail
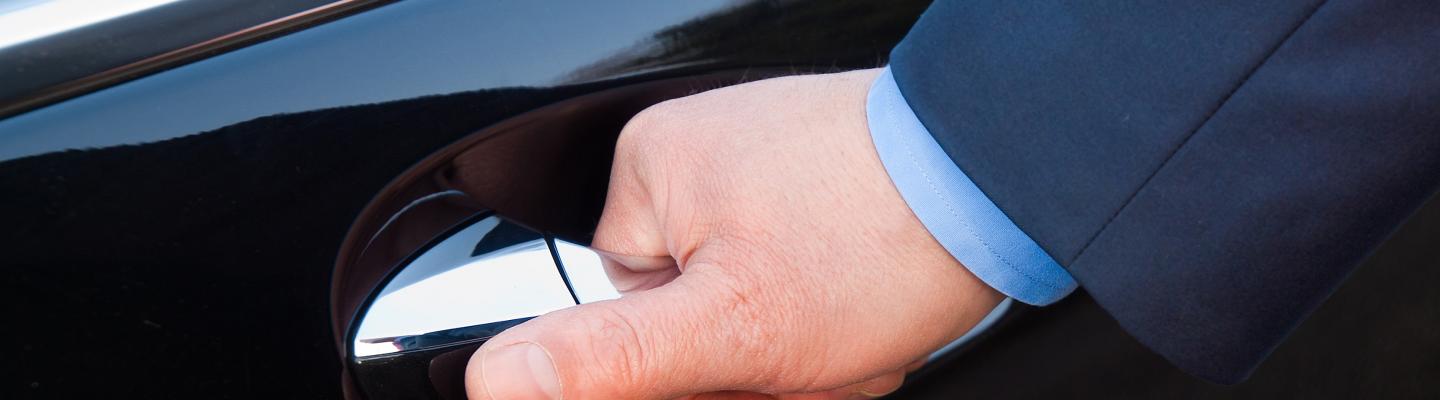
<point>520,371</point>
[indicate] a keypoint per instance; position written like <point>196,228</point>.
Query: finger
<point>635,273</point>
<point>730,395</point>
<point>629,223</point>
<point>869,389</point>
<point>639,264</point>
<point>915,366</point>
<point>879,386</point>
<point>629,237</point>
<point>677,339</point>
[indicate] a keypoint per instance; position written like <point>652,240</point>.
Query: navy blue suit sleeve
<point>1208,171</point>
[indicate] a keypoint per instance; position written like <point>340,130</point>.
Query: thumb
<point>665,342</point>
<point>663,339</point>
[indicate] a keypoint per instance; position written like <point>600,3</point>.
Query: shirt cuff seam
<point>896,132</point>
<point>909,152</point>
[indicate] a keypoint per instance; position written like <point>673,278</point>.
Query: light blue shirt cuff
<point>954,210</point>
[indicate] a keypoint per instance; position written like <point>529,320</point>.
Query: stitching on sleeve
<point>1220,104</point>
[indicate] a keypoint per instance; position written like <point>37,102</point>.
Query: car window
<point>54,49</point>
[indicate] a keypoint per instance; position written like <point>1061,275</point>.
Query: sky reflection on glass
<point>398,51</point>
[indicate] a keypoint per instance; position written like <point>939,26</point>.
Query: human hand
<point>762,251</point>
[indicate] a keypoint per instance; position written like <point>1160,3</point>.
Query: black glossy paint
<point>60,62</point>
<point>419,48</point>
<point>169,237</point>
<point>173,237</point>
<point>546,169</point>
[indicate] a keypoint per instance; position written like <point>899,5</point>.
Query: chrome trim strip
<point>191,53</point>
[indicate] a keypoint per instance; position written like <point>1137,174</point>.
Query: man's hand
<point>760,248</point>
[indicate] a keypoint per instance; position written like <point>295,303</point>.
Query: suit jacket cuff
<point>965,222</point>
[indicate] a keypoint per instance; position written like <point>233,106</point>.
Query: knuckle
<point>648,122</point>
<point>649,137</point>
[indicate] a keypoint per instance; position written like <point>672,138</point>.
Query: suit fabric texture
<point>1209,172</point>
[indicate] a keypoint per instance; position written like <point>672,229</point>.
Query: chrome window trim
<point>24,84</point>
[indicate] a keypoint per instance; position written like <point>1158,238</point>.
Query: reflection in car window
<point>25,20</point>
